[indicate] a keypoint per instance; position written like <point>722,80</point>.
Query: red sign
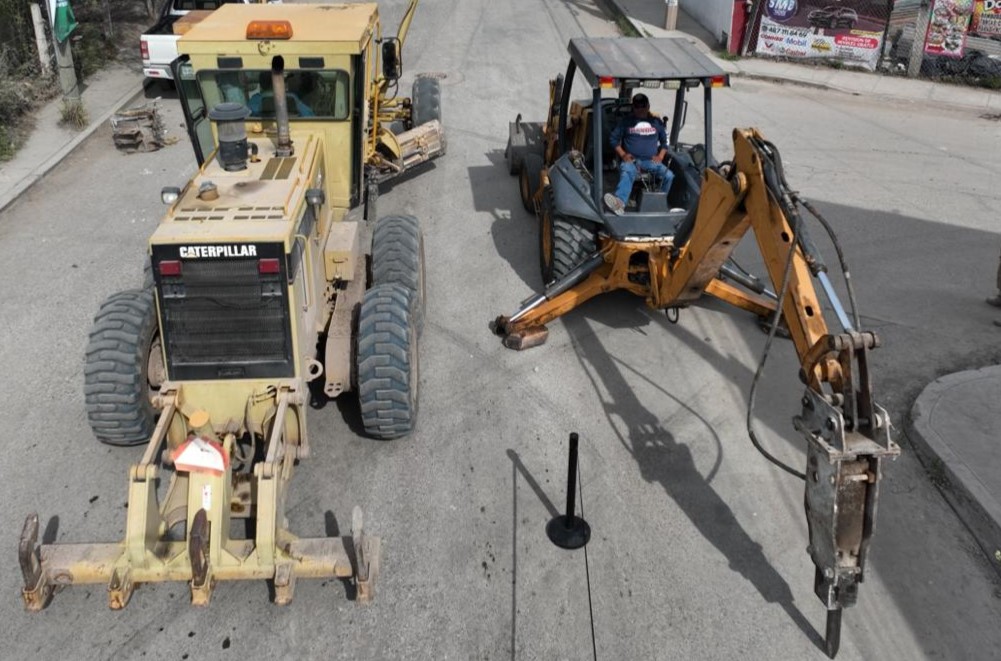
<point>947,27</point>
<point>856,42</point>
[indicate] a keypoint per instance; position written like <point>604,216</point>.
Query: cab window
<point>323,94</point>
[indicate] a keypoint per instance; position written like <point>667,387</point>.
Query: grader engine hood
<point>224,261</point>
<point>264,190</point>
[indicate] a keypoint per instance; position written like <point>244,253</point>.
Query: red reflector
<point>606,82</point>
<point>720,81</point>
<point>170,267</point>
<point>269,265</point>
<point>144,49</point>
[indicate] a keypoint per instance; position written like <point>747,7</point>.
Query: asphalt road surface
<point>698,543</point>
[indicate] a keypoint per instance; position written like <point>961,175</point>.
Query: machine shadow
<point>663,460</point>
<point>897,264</point>
<point>514,230</point>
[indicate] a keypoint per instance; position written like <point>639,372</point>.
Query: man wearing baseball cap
<point>640,142</point>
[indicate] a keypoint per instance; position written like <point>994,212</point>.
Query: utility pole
<point>63,24</point>
<point>67,72</point>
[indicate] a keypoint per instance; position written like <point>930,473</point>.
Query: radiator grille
<point>222,318</point>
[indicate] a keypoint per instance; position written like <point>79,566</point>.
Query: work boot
<point>994,300</point>
<point>614,204</point>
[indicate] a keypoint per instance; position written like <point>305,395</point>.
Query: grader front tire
<point>387,364</point>
<point>398,258</point>
<point>426,99</point>
<point>121,370</point>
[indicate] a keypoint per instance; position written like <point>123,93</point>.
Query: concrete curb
<point>36,174</point>
<point>781,80</point>
<point>879,85</point>
<point>979,509</point>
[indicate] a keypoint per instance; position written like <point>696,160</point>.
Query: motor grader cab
<point>270,283</point>
<point>673,252</point>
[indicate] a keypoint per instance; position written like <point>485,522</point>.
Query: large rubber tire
<point>528,180</point>
<point>426,100</point>
<point>117,384</point>
<point>398,258</point>
<point>563,243</point>
<point>387,364</point>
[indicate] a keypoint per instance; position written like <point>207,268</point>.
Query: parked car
<point>833,18</point>
<point>158,44</point>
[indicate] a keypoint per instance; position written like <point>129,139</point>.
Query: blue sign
<point>781,10</point>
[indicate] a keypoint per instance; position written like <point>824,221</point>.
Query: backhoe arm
<point>847,433</point>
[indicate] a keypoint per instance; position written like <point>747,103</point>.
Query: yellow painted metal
<point>148,554</point>
<point>264,203</point>
<point>728,208</point>
<point>341,251</point>
<point>326,28</point>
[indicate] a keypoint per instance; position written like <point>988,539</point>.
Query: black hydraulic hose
<point>796,199</point>
<point>841,257</point>
<point>761,369</point>
<point>783,290</point>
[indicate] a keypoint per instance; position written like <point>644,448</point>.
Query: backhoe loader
<point>270,281</point>
<point>673,248</point>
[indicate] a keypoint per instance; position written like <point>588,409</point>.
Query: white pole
<point>671,14</point>
<point>41,42</point>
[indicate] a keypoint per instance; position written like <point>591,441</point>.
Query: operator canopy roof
<point>314,23</point>
<point>640,59</point>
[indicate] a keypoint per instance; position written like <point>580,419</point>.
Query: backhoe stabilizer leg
<point>37,589</point>
<point>523,330</point>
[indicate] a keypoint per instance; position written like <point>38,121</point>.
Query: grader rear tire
<point>122,370</point>
<point>398,258</point>
<point>387,364</point>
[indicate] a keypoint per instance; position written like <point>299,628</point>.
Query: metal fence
<point>960,40</point>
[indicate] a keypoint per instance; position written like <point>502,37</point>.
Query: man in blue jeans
<point>640,142</point>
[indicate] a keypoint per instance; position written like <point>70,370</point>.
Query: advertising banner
<point>847,30</point>
<point>947,25</point>
<point>987,18</point>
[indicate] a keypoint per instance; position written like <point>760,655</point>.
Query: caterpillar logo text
<point>198,252</point>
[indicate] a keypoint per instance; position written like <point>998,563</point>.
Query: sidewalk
<point>647,17</point>
<point>106,92</point>
<point>954,422</point>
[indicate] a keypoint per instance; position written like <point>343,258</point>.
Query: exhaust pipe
<point>284,148</point>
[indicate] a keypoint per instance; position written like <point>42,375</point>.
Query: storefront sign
<point>986,18</point>
<point>846,31</point>
<point>947,25</point>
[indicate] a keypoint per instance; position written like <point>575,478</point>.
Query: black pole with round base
<point>569,531</point>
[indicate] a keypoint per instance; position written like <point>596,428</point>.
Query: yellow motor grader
<point>269,281</point>
<point>672,248</point>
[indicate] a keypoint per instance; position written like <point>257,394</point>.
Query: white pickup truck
<point>158,44</point>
